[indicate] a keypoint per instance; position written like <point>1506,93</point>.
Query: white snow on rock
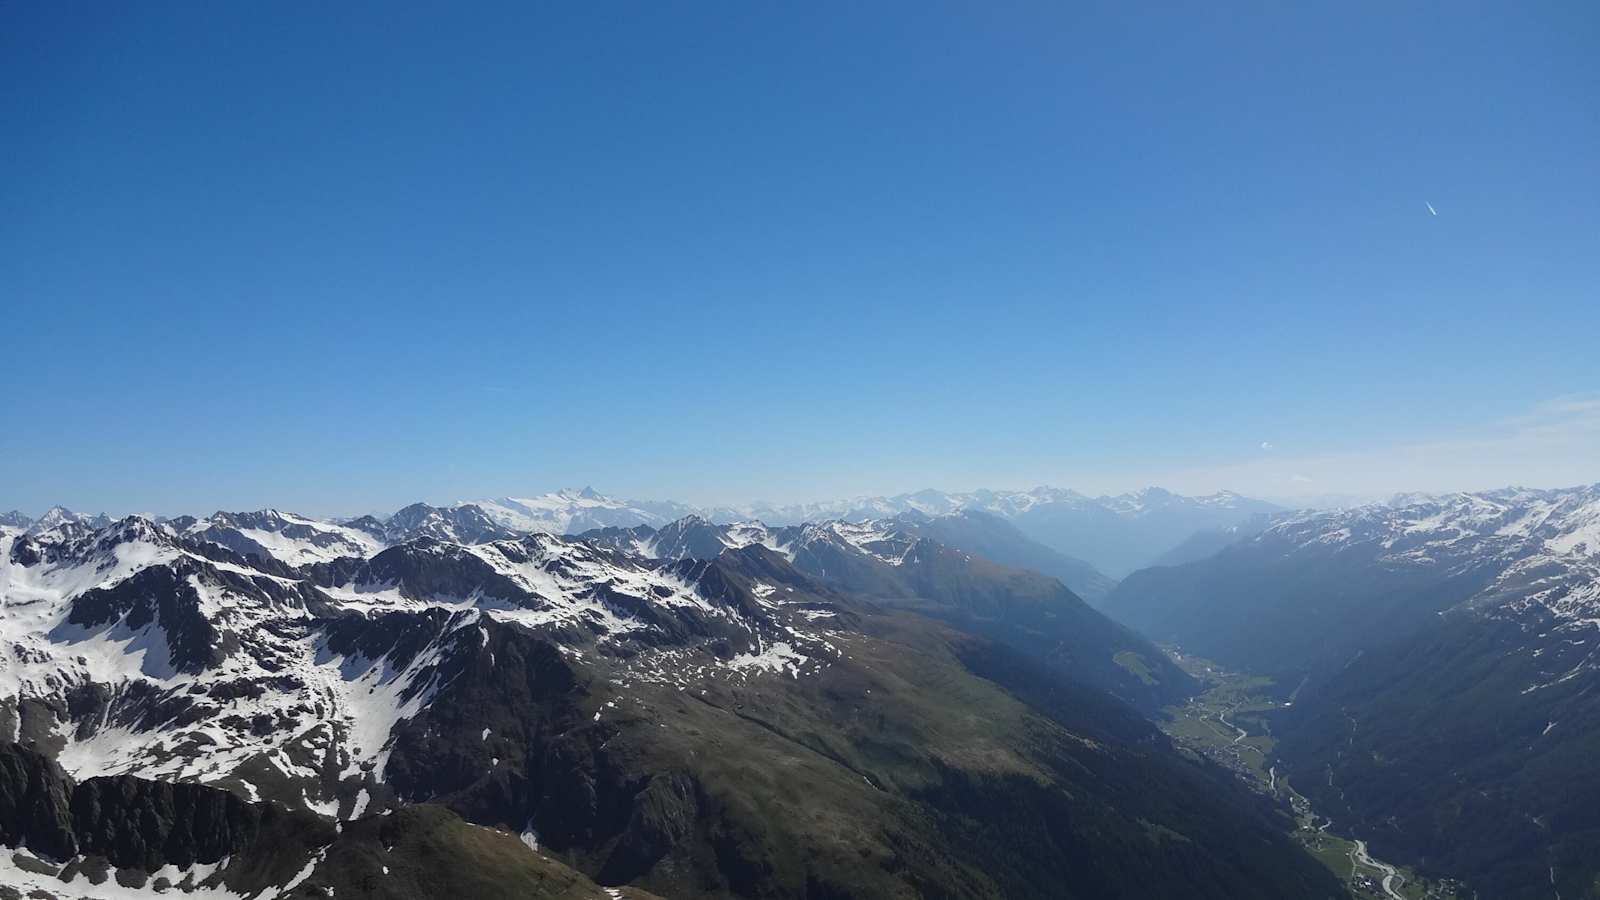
<point>190,882</point>
<point>572,511</point>
<point>288,538</point>
<point>1540,550</point>
<point>775,657</point>
<point>223,673</point>
<point>1545,543</point>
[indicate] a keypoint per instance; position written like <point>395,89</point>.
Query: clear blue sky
<point>337,257</point>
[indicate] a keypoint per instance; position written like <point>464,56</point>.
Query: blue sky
<point>337,259</point>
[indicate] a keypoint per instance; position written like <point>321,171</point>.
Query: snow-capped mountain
<point>947,561</point>
<point>175,634</point>
<point>974,532</point>
<point>1540,548</point>
<point>1564,522</point>
<point>143,647</point>
<point>288,538</point>
<point>166,699</point>
<point>1114,535</point>
<point>296,541</point>
<point>573,511</point>
<point>165,622</point>
<point>14,519</point>
<point>57,516</point>
<point>693,537</point>
<point>464,523</point>
<point>1394,565</point>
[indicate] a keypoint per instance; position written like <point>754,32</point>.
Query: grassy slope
<point>896,772</point>
<point>1040,617</point>
<point>429,852</point>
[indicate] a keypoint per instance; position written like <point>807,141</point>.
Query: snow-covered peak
<point>572,511</point>
<point>1563,522</point>
<point>693,537</point>
<point>464,523</point>
<point>184,660</point>
<point>291,539</point>
<point>43,569</point>
<point>880,540</point>
<point>1150,500</point>
<point>57,516</point>
<point>746,534</point>
<point>1543,546</point>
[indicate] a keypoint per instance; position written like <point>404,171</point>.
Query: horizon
<point>1315,503</point>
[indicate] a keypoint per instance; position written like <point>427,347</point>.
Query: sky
<point>341,257</point>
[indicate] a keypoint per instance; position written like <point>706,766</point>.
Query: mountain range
<point>1113,534</point>
<point>896,562</point>
<point>1086,542</point>
<point>609,709</point>
<point>264,704</point>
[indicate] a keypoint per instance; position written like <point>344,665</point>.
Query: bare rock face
<point>141,824</point>
<point>35,804</point>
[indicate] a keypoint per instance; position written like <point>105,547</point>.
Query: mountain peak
<point>57,516</point>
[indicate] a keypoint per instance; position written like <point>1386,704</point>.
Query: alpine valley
<point>926,695</point>
<point>1435,662</point>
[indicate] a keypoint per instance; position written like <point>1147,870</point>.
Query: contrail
<point>1431,210</point>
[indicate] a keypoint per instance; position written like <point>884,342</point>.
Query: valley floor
<point>1225,724</point>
